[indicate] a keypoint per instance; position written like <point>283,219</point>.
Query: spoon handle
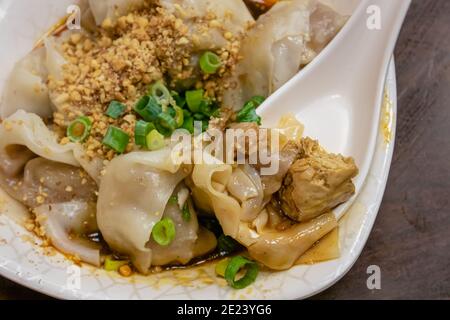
<point>369,36</point>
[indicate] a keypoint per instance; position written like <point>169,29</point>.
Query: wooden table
<point>411,238</point>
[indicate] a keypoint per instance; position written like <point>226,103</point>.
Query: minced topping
<point>122,60</point>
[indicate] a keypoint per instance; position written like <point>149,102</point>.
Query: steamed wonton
<point>277,244</point>
<point>287,37</point>
<point>133,197</point>
<point>64,225</point>
<point>191,240</point>
<point>28,129</point>
<point>111,9</point>
<point>232,16</point>
<point>26,87</point>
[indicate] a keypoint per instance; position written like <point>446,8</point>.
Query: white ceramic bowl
<point>22,260</point>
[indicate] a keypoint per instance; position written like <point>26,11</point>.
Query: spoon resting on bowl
<point>338,97</point>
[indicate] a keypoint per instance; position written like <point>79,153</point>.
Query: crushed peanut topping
<point>121,60</point>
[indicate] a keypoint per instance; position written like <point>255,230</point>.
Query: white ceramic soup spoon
<point>339,95</point>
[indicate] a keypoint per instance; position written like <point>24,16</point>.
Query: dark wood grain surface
<point>411,238</point>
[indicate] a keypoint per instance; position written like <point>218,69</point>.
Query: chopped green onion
<point>179,100</point>
<point>188,124</point>
<point>160,92</point>
<point>148,108</point>
<point>163,130</point>
<point>79,130</point>
<point>205,125</point>
<point>187,113</point>
<point>193,99</point>
<point>179,116</point>
<point>186,214</point>
<point>207,108</point>
<point>210,62</point>
<point>216,113</point>
<point>115,109</point>
<point>233,268</point>
<point>248,112</point>
<point>258,100</point>
<point>199,116</point>
<point>226,244</point>
<point>173,200</point>
<point>170,111</point>
<point>116,139</point>
<point>167,121</point>
<point>155,140</point>
<point>141,131</point>
<point>114,265</point>
<point>221,267</point>
<point>164,232</point>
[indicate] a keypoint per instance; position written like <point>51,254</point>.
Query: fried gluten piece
<point>317,182</point>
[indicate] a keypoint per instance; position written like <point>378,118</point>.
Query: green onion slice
<point>115,109</point>
<point>179,116</point>
<point>164,232</point>
<point>155,140</point>
<point>193,99</point>
<point>148,108</point>
<point>116,139</point>
<point>160,92</point>
<point>187,113</point>
<point>186,213</point>
<point>163,130</point>
<point>207,108</point>
<point>141,131</point>
<point>200,116</point>
<point>79,130</point>
<point>205,125</point>
<point>258,100</point>
<point>114,265</point>
<point>188,124</point>
<point>179,100</point>
<point>221,267</point>
<point>248,112</point>
<point>234,266</point>
<point>167,121</point>
<point>210,62</point>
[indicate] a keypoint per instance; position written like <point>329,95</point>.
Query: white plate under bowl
<point>25,262</point>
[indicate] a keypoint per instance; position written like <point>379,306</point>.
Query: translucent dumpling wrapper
<point>271,239</point>
<point>280,249</point>
<point>65,224</point>
<point>93,166</point>
<point>26,87</point>
<point>54,58</point>
<point>29,130</point>
<point>13,209</point>
<point>111,9</point>
<point>45,182</point>
<point>287,37</point>
<point>232,15</point>
<point>190,241</point>
<point>133,196</point>
<point>219,182</point>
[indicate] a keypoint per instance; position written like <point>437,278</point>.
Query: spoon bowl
<point>338,97</point>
